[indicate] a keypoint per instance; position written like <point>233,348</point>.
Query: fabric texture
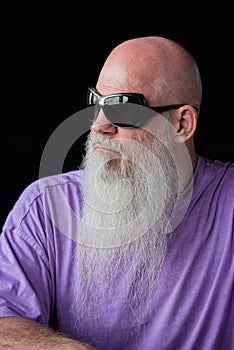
<point>194,307</point>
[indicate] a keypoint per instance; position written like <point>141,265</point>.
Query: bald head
<point>161,69</point>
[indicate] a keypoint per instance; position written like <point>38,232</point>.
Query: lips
<point>102,148</point>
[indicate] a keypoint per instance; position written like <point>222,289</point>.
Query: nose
<point>102,125</point>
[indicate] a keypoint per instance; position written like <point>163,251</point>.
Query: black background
<point>49,54</point>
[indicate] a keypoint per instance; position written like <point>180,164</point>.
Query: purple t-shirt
<point>194,309</point>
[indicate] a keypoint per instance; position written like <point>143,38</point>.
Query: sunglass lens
<point>127,114</point>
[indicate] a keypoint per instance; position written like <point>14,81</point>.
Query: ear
<point>186,123</point>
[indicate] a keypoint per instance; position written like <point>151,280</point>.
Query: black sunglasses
<point>122,109</point>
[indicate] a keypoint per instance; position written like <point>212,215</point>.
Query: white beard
<point>124,228</point>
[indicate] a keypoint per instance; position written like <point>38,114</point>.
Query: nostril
<point>104,127</point>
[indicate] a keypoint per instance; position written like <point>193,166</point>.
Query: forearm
<point>22,334</point>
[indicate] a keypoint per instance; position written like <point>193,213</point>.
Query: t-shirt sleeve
<point>25,279</point>
<point>25,288</point>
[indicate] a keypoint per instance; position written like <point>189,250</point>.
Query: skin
<point>17,333</point>
<point>166,74</point>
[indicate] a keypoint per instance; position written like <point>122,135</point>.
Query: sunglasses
<point>125,110</point>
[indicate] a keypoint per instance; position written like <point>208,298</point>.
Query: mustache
<point>104,141</point>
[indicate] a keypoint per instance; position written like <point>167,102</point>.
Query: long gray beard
<point>122,204</point>
<point>124,228</point>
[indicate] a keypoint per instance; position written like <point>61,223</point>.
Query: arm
<point>23,334</point>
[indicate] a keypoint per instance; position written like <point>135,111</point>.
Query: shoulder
<point>214,175</point>
<point>32,197</point>
<point>50,183</point>
<point>215,167</point>
<point>63,180</point>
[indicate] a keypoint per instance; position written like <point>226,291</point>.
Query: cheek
<point>134,134</point>
<point>134,141</point>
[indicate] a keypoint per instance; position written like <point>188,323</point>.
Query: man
<point>134,250</point>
